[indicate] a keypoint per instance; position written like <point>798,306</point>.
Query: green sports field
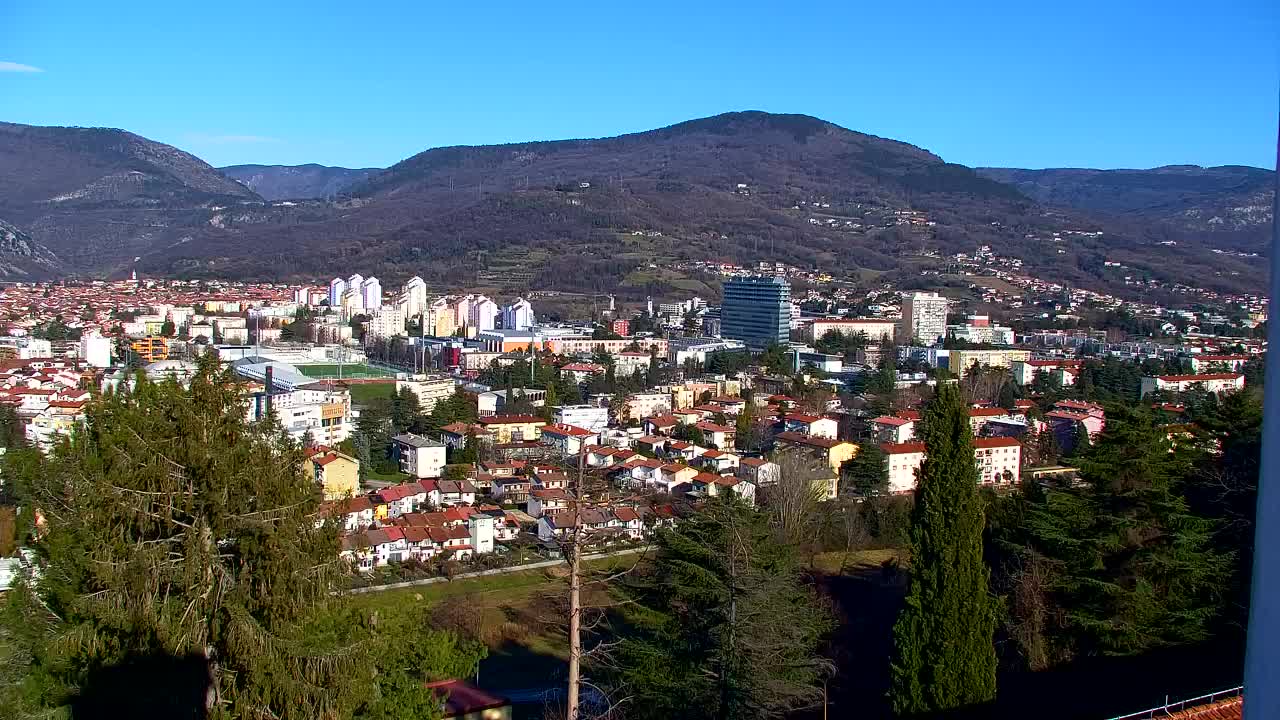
<point>353,370</point>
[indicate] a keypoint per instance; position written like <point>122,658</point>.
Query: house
<point>1218,363</point>
<point>463,701</point>
<point>337,473</point>
<point>598,525</point>
<point>758,471</point>
<point>513,428</point>
<point>545,500</point>
<point>550,478</point>
<point>1025,371</point>
<point>833,452</point>
<point>998,459</point>
<point>401,499</point>
<point>456,492</point>
<point>1211,382</point>
<point>352,513</point>
<point>716,435</point>
<point>567,439</point>
<point>979,416</point>
<point>630,522</point>
<point>420,457</point>
<point>582,372</point>
<point>711,485</point>
<point>672,474</point>
<point>651,444</point>
<point>454,435</point>
<point>718,461</point>
<point>888,429</point>
<point>810,425</point>
<point>660,424</point>
<point>512,490</point>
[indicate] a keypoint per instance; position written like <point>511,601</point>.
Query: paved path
<point>486,573</point>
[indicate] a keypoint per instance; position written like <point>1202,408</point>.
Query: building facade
<point>756,311</point>
<point>924,317</point>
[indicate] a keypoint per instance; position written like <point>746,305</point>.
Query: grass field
<point>362,393</point>
<point>353,370</point>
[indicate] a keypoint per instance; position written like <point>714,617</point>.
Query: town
<point>446,428</point>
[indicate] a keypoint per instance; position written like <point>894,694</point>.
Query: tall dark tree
<point>945,653</point>
<point>727,629</point>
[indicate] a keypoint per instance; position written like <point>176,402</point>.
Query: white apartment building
<point>924,316</point>
<point>874,328</point>
<point>518,315</point>
<point>1206,363</point>
<point>430,389</point>
<point>588,417</point>
<point>420,457</point>
<point>999,461</point>
<point>95,350</point>
<point>642,405</point>
<point>1211,382</point>
<point>386,322</point>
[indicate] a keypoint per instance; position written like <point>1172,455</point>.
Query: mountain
<point>286,182</point>
<point>97,197</point>
<point>588,214</point>
<point>21,257</point>
<point>1226,198</point>
<point>625,214</point>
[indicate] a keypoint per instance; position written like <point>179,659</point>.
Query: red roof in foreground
<point>995,442</point>
<point>463,698</point>
<point>1200,378</point>
<point>903,448</point>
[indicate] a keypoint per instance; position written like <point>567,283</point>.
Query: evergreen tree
<point>945,656</point>
<point>470,454</point>
<point>744,424</point>
<point>167,328</point>
<point>726,630</point>
<point>1134,567</point>
<point>867,474</point>
<point>182,560</point>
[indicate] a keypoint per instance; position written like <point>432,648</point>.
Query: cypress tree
<point>945,655</point>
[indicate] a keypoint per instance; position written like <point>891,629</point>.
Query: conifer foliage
<point>179,537</point>
<point>944,637</point>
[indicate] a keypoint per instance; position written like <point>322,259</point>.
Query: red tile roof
<point>1200,378</point>
<point>903,448</point>
<point>995,442</point>
<point>893,421</point>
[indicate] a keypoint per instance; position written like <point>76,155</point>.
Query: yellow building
<point>337,473</point>
<point>151,348</point>
<point>513,428</point>
<point>961,360</point>
<point>834,452</point>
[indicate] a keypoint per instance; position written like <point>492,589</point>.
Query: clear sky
<point>1121,83</point>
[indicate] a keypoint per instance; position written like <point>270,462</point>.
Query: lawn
<point>363,393</point>
<point>352,370</point>
<point>840,563</point>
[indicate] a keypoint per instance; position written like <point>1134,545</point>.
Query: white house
<point>1211,382</point>
<point>420,457</point>
<point>811,425</point>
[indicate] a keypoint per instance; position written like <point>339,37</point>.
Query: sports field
<point>353,370</point>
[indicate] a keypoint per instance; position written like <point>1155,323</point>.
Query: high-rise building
<point>337,287</point>
<point>414,296</point>
<point>924,318</point>
<point>484,313</point>
<point>518,315</point>
<point>371,294</point>
<point>756,310</point>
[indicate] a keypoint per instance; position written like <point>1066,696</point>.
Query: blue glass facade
<point>757,311</point>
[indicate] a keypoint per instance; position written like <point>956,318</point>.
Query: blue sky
<point>1123,83</point>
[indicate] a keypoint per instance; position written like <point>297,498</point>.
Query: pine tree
<point>182,559</point>
<point>1138,568</point>
<point>743,426</point>
<point>725,629</point>
<point>945,653</point>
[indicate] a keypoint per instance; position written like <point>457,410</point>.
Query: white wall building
<point>924,317</point>
<point>1211,382</point>
<point>420,457</point>
<point>430,389</point>
<point>484,314</point>
<point>337,288</point>
<point>95,350</point>
<point>371,294</point>
<point>589,417</point>
<point>999,462</point>
<point>518,315</point>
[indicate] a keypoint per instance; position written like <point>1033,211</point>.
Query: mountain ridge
<point>289,182</point>
<point>618,212</point>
